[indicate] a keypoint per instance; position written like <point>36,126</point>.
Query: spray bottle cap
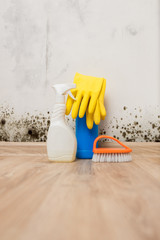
<point>61,90</point>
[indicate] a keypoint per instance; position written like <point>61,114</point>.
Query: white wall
<point>43,42</point>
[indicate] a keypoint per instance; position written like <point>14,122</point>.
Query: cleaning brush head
<point>111,154</point>
<point>112,157</point>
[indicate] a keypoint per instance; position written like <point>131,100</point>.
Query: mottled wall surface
<point>43,42</point>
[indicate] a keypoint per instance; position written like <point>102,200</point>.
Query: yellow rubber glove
<point>89,95</point>
<point>86,94</point>
<point>100,111</point>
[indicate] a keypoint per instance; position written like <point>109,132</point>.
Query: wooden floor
<point>81,200</point>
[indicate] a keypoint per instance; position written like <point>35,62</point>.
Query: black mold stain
<point>30,132</point>
<point>3,121</point>
<point>153,125</point>
<point>124,134</point>
<point>34,133</point>
<point>27,128</point>
<point>34,128</point>
<point>124,108</point>
<point>135,131</point>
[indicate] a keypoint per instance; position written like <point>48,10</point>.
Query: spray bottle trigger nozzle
<point>71,95</point>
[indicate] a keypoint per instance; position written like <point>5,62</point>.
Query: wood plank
<point>80,200</point>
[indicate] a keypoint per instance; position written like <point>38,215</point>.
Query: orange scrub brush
<point>111,154</point>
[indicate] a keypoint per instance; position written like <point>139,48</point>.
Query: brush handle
<point>127,149</point>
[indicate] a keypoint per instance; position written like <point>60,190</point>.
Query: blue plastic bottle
<point>85,138</point>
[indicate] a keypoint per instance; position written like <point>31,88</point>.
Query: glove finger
<point>102,110</point>
<point>84,104</point>
<point>89,120</point>
<point>97,115</point>
<point>103,89</point>
<point>76,104</point>
<point>103,118</point>
<point>70,102</point>
<point>92,103</point>
<point>101,100</point>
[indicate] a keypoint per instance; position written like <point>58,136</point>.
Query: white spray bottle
<point>61,140</point>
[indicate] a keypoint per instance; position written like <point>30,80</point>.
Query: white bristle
<point>112,157</point>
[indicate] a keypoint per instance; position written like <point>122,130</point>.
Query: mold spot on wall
<point>153,125</point>
<point>135,127</point>
<point>23,128</point>
<point>34,127</point>
<point>33,133</point>
<point>27,127</point>
<point>124,134</point>
<point>3,121</point>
